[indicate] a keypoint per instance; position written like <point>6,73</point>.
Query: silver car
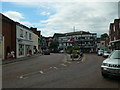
<point>100,52</point>
<point>111,65</point>
<point>106,54</point>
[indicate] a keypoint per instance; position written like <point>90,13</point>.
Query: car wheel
<point>104,75</point>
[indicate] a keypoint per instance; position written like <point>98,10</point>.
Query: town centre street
<point>52,71</point>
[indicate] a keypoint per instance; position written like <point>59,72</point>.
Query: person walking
<point>30,52</point>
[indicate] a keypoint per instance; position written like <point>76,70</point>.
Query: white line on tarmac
<point>51,67</point>
<point>41,72</point>
<point>69,62</point>
<point>21,77</point>
<point>63,65</point>
<point>25,75</point>
<point>55,67</point>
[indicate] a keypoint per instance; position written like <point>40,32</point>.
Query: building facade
<point>8,36</point>
<point>35,43</point>
<point>24,41</point>
<point>85,40</point>
<point>17,40</point>
<point>114,34</point>
<point>37,39</point>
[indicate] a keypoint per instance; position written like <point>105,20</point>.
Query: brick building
<point>114,34</point>
<point>8,35</point>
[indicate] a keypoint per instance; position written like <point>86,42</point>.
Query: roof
<point>58,35</point>
<point>73,33</point>
<point>77,33</point>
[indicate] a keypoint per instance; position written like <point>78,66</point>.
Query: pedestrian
<point>30,52</point>
<point>13,54</point>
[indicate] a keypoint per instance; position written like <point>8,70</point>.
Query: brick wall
<point>9,33</point>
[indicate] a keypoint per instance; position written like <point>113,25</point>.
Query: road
<point>52,71</point>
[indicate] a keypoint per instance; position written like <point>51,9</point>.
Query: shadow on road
<point>113,79</point>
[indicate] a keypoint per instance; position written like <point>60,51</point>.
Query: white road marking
<point>69,62</point>
<point>51,67</point>
<point>55,67</point>
<point>63,65</point>
<point>25,77</point>
<point>21,77</point>
<point>41,72</point>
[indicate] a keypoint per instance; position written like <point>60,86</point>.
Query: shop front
<point>115,45</point>
<point>24,48</point>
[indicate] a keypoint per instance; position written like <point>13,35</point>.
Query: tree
<point>54,46</point>
<point>103,36</point>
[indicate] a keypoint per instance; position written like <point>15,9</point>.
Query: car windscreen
<point>115,55</point>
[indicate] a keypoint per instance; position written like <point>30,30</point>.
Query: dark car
<point>46,52</point>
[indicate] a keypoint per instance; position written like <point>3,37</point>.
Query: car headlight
<point>104,64</point>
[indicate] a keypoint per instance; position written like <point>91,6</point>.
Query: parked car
<point>100,52</point>
<point>61,51</point>
<point>106,54</point>
<point>111,65</point>
<point>46,52</point>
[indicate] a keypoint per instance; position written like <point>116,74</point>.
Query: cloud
<point>87,16</point>
<point>93,17</point>
<point>60,0</point>
<point>45,13</point>
<point>16,16</point>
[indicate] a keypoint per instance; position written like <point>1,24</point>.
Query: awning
<point>104,48</point>
<point>115,41</point>
<point>62,47</point>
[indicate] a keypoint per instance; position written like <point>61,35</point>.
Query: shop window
<point>21,49</point>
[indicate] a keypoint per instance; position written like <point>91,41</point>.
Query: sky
<point>55,16</point>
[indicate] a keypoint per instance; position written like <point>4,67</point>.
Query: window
<point>21,49</point>
<point>30,37</point>
<point>115,55</point>
<point>26,35</point>
<point>21,33</point>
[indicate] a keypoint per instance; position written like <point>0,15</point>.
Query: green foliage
<point>104,35</point>
<point>76,48</point>
<point>54,45</point>
<point>73,49</point>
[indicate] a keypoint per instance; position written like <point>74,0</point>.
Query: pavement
<point>7,61</point>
